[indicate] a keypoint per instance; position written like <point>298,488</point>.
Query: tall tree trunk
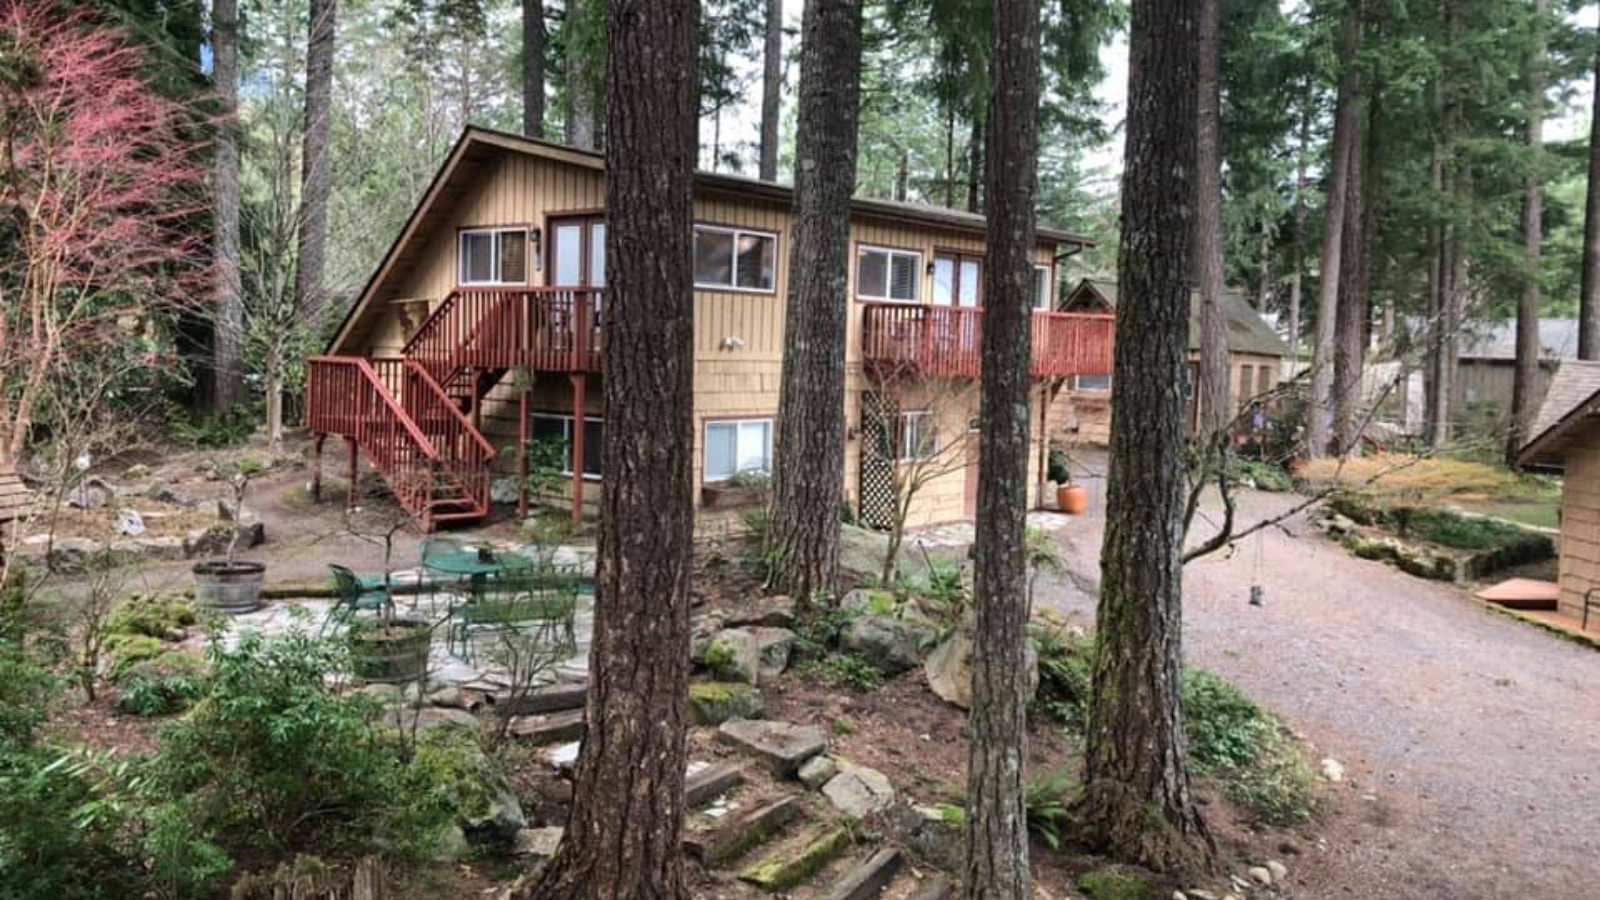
<point>902,176</point>
<point>808,483</point>
<point>622,836</point>
<point>580,126</point>
<point>1207,232</point>
<point>997,821</point>
<point>315,177</point>
<point>1137,802</point>
<point>1297,252</point>
<point>975,162</point>
<point>227,351</point>
<point>1526,374</point>
<point>1345,125</point>
<point>1351,317</point>
<point>1589,295</point>
<point>772,91</point>
<point>950,155</point>
<point>533,36</point>
<point>1434,361</point>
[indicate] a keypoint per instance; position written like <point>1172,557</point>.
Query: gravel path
<point>1469,738</point>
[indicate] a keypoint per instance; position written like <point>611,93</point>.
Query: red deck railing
<point>547,329</point>
<point>947,341</point>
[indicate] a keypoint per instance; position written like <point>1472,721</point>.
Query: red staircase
<point>413,417</point>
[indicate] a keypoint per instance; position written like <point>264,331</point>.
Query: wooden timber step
<point>551,728</point>
<point>15,498</point>
<point>791,864</point>
<point>867,879</point>
<point>939,887</point>
<point>555,698</point>
<point>740,834</point>
<point>704,785</point>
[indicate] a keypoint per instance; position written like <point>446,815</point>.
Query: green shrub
<point>125,651</point>
<point>181,861</point>
<point>1065,670</point>
<point>820,630</point>
<point>842,670</point>
<point>1059,467</point>
<point>1264,475</point>
<point>1246,750</point>
<point>151,691</point>
<point>1045,799</point>
<point>215,430</point>
<point>1109,884</point>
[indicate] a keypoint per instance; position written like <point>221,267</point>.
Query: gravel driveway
<point>1471,740</point>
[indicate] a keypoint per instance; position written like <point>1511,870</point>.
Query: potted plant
<point>746,488</point>
<point>1071,498</point>
<point>390,648</point>
<point>232,585</point>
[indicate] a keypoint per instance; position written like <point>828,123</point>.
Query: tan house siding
<point>738,335</point>
<point>1580,520</point>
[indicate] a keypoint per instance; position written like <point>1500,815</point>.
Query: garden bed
<point>1434,543</point>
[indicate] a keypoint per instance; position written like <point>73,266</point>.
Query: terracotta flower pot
<point>1073,499</point>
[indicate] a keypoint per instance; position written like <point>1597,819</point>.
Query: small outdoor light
<point>534,241</point>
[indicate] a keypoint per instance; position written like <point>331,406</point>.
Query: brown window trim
<point>584,217</point>
<point>777,259</point>
<point>527,229</point>
<point>855,267</point>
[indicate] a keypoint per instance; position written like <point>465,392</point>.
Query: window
<point>957,280</point>
<point>883,274</point>
<point>577,252</point>
<point>738,446</point>
<point>557,427</point>
<point>1091,382</point>
<point>1247,375</point>
<point>1043,288</point>
<point>734,259</point>
<point>919,436</point>
<point>494,256</point>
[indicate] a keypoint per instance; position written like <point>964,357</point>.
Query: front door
<point>577,252</point>
<point>957,280</point>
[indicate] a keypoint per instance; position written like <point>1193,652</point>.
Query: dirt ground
<point>1468,737</point>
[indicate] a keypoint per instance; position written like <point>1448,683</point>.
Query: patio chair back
<point>346,583</point>
<point>435,547</point>
<point>539,601</point>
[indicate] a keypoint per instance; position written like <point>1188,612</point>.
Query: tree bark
<point>996,821</point>
<point>533,39</point>
<point>1526,372</point>
<point>1297,252</point>
<point>1137,804</point>
<point>1589,295</point>
<point>975,162</point>
<point>1207,247</point>
<point>315,177</point>
<point>228,330</point>
<point>1351,317</point>
<point>772,91</point>
<point>622,836</point>
<point>808,483</point>
<point>1346,121</point>
<point>1434,418</point>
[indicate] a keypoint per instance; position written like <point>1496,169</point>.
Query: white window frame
<point>891,253</point>
<point>733,269</point>
<point>736,424</point>
<point>567,420</point>
<point>1041,301</point>
<point>494,255</point>
<point>1077,384</point>
<point>906,454</point>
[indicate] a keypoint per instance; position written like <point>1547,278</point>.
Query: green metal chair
<point>438,591</point>
<point>356,595</point>
<point>540,602</point>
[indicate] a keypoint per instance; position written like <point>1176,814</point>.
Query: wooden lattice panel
<point>878,416</point>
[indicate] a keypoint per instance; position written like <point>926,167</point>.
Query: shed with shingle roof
<point>1566,438</point>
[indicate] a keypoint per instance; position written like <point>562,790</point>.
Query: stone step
<point>743,833</point>
<point>705,784</point>
<point>783,746</point>
<point>790,865</point>
<point>868,879</point>
<point>550,728</point>
<point>556,698</point>
<point>937,887</point>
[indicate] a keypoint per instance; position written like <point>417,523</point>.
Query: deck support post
<point>1044,443</point>
<point>522,451</point>
<point>350,489</point>
<point>316,467</point>
<point>579,383</point>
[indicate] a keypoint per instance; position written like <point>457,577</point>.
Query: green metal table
<point>467,563</point>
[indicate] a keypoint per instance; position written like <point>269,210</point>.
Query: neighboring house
<point>1487,368</point>
<point>1566,438</point>
<point>1255,361</point>
<point>481,328</point>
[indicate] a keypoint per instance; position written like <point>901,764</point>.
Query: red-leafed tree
<point>101,188</point>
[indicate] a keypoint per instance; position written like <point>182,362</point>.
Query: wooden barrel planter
<point>229,587</point>
<point>390,652</point>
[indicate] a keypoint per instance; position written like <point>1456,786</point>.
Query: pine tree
<point>228,340</point>
<point>533,40</point>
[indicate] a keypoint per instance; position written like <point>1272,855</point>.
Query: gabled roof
<point>1570,405</point>
<point>1558,339</point>
<point>477,145</point>
<point>1247,331</point>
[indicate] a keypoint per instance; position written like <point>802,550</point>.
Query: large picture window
<point>884,274</point>
<point>557,427</point>
<point>490,256</point>
<point>735,259</point>
<point>738,446</point>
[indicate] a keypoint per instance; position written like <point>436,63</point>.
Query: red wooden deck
<point>915,340</point>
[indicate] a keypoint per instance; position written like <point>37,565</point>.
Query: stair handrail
<point>444,401</point>
<point>384,396</point>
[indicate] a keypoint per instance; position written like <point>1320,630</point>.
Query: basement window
<point>493,256</point>
<point>732,447</point>
<point>919,436</point>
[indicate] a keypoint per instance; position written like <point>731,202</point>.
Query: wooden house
<point>1082,410</point>
<point>483,328</point>
<point>1566,439</point>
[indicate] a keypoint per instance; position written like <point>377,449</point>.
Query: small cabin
<point>1566,439</point>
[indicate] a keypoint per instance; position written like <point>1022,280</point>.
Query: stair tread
<point>867,879</point>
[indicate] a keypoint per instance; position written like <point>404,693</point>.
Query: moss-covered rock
<point>125,651</point>
<point>715,702</point>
